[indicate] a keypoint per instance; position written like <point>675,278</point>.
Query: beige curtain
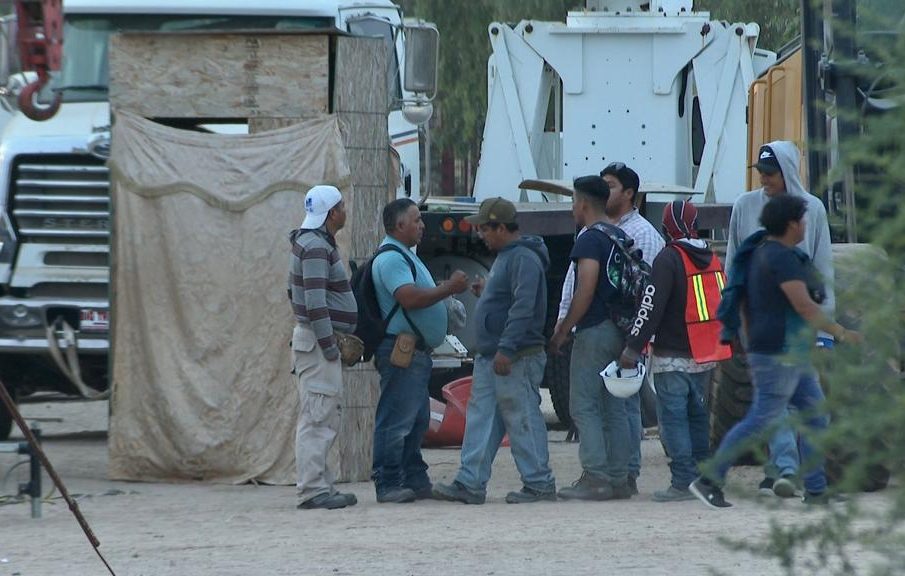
<point>201,322</point>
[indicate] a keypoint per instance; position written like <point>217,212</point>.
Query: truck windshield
<point>85,72</point>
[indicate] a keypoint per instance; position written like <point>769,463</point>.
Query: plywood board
<point>220,75</point>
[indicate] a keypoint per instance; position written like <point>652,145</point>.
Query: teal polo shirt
<point>390,270</point>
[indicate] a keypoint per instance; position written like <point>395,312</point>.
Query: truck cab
<point>55,208</point>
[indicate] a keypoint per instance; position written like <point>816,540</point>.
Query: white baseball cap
<point>318,202</point>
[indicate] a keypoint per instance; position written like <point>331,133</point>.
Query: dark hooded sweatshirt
<point>511,312</point>
<point>666,319</point>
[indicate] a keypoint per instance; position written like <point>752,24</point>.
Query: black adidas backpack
<point>628,273</point>
<point>371,326</point>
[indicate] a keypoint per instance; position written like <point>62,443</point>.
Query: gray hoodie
<point>745,220</point>
<point>511,312</point>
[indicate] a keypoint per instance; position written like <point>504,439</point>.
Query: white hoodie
<point>745,220</point>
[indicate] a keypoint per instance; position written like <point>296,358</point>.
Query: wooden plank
<point>220,75</point>
<point>366,131</point>
<point>358,88</point>
<point>350,457</point>
<point>256,125</point>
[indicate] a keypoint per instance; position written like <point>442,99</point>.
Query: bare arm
<point>797,293</point>
<point>586,274</point>
<point>412,297</point>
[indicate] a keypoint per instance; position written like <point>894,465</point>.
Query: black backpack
<point>628,273</point>
<point>371,326</point>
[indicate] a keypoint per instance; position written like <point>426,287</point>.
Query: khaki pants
<point>319,384</point>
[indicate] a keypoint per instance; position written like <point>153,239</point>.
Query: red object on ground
<point>447,423</point>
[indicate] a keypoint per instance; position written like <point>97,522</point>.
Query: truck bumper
<point>24,322</point>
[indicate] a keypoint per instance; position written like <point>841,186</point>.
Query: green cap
<point>497,210</point>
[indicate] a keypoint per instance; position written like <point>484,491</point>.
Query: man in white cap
<point>323,304</point>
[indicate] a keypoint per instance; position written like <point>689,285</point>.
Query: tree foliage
<point>464,50</point>
<point>779,20</point>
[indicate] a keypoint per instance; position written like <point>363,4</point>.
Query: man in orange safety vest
<point>679,311</point>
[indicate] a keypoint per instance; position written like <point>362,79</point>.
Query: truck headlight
<point>20,316</point>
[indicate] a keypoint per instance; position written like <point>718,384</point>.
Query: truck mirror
<point>422,42</point>
<point>9,52</point>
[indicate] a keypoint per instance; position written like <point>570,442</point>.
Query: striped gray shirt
<point>321,294</point>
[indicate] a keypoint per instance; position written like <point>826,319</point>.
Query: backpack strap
<point>397,306</point>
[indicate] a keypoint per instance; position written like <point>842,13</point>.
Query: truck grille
<point>63,199</point>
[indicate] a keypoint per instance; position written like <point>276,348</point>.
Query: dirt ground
<point>167,529</point>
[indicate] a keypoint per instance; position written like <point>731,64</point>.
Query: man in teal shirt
<point>403,411</point>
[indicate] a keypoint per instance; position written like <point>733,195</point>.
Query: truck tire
<point>648,406</point>
<point>556,380</point>
<point>731,394</point>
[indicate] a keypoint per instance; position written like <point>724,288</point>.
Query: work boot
<point>398,495</point>
<point>528,495</point>
<point>633,485</point>
<point>785,487</point>
<point>588,488</point>
<point>765,488</point>
<point>456,492</point>
<point>424,493</point>
<point>822,498</point>
<point>325,501</point>
<point>351,499</point>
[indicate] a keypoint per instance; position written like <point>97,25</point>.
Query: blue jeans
<point>684,422</point>
<point>778,384</point>
<point>636,431</point>
<point>403,415</point>
<point>783,452</point>
<point>501,404</point>
<point>602,420</point>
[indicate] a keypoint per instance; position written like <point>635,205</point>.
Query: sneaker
<point>397,495</point>
<point>589,488</point>
<point>710,495</point>
<point>325,501</point>
<point>673,494</point>
<point>822,499</point>
<point>765,488</point>
<point>456,492</point>
<point>528,495</point>
<point>633,485</point>
<point>785,487</point>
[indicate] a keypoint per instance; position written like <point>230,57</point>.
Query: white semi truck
<point>54,184</point>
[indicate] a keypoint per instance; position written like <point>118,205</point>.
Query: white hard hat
<point>623,383</point>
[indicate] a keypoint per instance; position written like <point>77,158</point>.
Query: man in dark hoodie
<point>681,312</point>
<point>509,364</point>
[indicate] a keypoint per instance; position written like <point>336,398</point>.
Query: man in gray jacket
<point>509,365</point>
<point>778,165</point>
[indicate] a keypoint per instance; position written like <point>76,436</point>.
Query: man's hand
<point>477,287</point>
<point>559,338</point>
<point>851,337</point>
<point>457,282</point>
<point>502,365</point>
<point>628,359</point>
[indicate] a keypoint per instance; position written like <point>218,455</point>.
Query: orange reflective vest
<point>705,289</point>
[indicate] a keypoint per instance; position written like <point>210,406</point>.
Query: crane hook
<point>27,100</point>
